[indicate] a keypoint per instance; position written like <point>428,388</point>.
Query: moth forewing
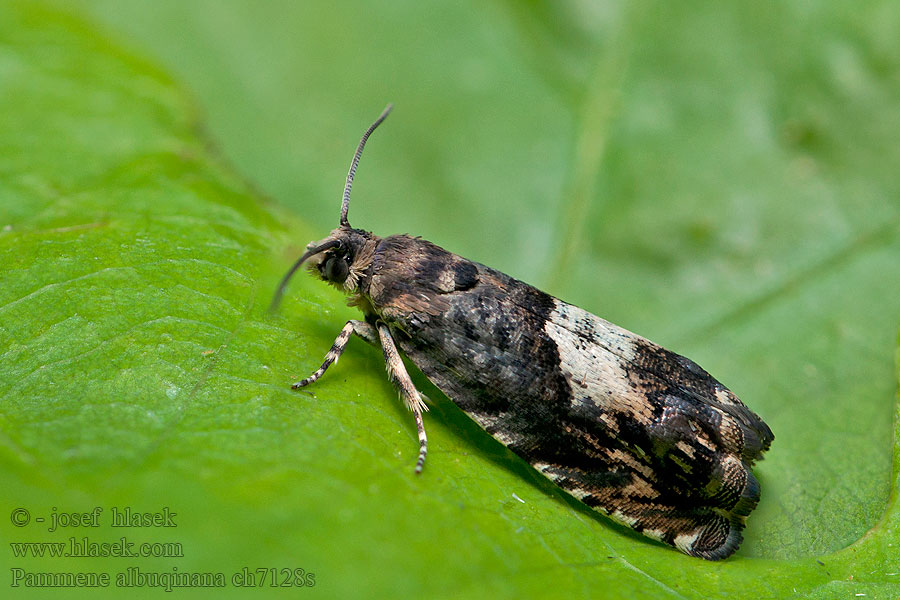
<point>640,433</point>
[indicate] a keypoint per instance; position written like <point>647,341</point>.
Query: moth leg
<point>360,328</point>
<point>408,391</point>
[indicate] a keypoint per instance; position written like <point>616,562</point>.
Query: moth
<point>631,429</point>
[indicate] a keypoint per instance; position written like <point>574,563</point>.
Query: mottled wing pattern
<point>682,443</point>
<point>633,430</point>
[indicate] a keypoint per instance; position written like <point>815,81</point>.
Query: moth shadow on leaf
<point>482,444</point>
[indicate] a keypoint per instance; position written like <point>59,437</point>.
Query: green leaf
<point>713,178</point>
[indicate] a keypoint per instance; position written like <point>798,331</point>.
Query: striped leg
<point>408,392</point>
<point>360,328</point>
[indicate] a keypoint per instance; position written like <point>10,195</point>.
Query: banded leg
<point>360,328</point>
<point>408,391</point>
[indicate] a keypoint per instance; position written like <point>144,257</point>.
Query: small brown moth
<point>640,433</point>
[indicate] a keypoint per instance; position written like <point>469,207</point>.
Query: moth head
<point>343,257</point>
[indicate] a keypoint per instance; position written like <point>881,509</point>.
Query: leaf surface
<point>688,175</point>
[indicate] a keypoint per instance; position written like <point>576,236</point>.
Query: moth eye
<point>336,269</point>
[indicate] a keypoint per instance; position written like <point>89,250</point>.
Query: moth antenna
<point>287,277</point>
<point>345,205</point>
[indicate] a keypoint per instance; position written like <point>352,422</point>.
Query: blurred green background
<point>719,178</point>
